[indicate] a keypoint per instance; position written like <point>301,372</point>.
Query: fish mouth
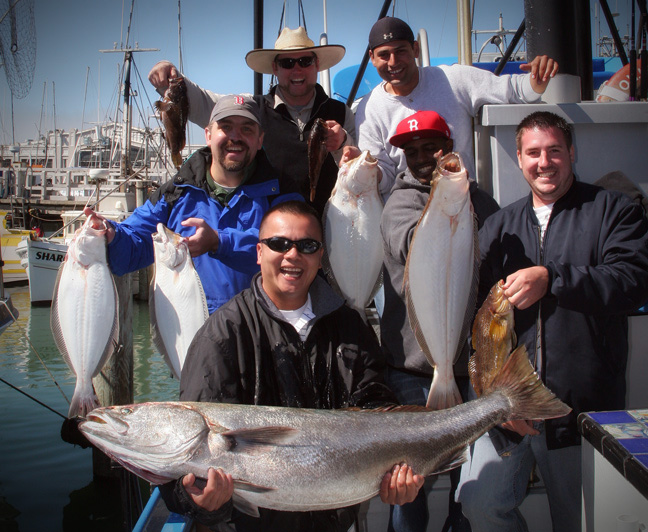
<point>119,426</point>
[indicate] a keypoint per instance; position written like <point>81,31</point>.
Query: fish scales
<point>174,112</point>
<point>304,460</point>
<point>84,318</point>
<point>353,245</point>
<point>177,302</point>
<point>441,274</point>
<point>317,153</point>
<point>493,338</point>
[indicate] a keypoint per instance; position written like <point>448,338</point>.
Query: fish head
<point>450,183</point>
<point>169,247</point>
<point>360,174</point>
<point>177,90</point>
<point>89,242</point>
<point>150,439</point>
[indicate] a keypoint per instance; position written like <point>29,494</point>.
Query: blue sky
<point>216,35</point>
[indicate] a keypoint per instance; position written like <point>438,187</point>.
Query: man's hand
<point>349,153</point>
<point>98,222</point>
<point>522,427</point>
<point>527,286</point>
<point>161,73</point>
<point>336,136</point>
<point>205,239</point>
<point>542,69</point>
<point>217,492</point>
<point>400,485</point>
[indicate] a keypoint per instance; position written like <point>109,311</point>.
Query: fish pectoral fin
<point>453,461</point>
<point>244,506</point>
<point>258,440</point>
<point>244,485</point>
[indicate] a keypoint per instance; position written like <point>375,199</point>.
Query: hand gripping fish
<point>174,111</point>
<point>317,153</point>
<point>441,275</point>
<point>84,317</point>
<point>297,459</point>
<point>177,302</point>
<point>354,249</point>
<point>493,338</point>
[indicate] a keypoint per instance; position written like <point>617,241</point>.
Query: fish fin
<point>258,440</point>
<point>55,323</point>
<point>156,335</point>
<point>82,405</point>
<point>454,461</point>
<point>326,261</point>
<point>388,408</point>
<point>177,159</point>
<point>443,395</point>
<point>244,485</point>
<point>529,397</point>
<point>244,506</point>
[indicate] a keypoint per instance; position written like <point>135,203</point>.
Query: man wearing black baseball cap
<point>215,201</point>
<point>456,91</point>
<point>422,137</point>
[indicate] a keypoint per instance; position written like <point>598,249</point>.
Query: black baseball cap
<point>388,29</point>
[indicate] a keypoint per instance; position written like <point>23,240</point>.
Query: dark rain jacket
<point>402,212</point>
<point>596,252</point>
<point>246,353</point>
<point>230,268</point>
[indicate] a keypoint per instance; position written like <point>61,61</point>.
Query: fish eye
<point>126,411</point>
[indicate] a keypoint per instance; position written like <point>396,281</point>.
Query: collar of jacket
<point>320,98</point>
<point>194,171</point>
<point>566,199</point>
<point>323,298</point>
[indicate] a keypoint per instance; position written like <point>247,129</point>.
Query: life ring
<point>617,88</point>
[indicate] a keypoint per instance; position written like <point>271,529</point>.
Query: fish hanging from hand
<point>174,111</point>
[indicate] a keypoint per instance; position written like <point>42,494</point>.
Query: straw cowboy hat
<point>294,41</point>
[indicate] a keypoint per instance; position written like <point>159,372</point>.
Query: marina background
<point>216,35</point>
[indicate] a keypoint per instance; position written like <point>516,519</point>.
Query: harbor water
<point>46,484</point>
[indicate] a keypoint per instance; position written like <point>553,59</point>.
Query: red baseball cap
<point>423,124</point>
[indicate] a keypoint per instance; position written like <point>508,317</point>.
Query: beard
<point>234,166</point>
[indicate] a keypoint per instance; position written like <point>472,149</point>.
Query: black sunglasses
<point>289,62</point>
<point>307,246</point>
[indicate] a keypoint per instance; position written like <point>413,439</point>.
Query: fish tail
<point>442,394</point>
<point>177,159</point>
<point>529,397</point>
<point>82,404</point>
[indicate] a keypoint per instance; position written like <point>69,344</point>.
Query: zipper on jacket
<point>538,341</point>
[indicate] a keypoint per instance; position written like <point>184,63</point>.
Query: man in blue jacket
<point>574,258</point>
<point>216,201</point>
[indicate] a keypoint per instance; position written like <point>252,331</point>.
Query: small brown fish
<point>493,338</point>
<point>174,110</point>
<point>317,152</point>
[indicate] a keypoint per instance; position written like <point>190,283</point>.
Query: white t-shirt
<point>300,318</point>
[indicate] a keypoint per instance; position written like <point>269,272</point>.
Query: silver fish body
<point>354,249</point>
<point>84,317</point>
<point>303,460</point>
<point>177,302</point>
<point>441,274</point>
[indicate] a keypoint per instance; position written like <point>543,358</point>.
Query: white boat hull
<point>41,259</point>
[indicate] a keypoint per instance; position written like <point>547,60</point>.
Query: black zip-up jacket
<point>246,353</point>
<point>596,252</point>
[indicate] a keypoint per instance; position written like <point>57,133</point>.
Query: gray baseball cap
<point>235,105</point>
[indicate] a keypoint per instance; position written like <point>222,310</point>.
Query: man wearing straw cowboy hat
<point>289,109</point>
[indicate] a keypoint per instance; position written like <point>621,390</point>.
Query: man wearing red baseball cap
<point>423,137</point>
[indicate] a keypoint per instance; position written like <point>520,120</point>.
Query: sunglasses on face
<point>307,246</point>
<point>289,62</point>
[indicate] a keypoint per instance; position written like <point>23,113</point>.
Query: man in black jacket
<point>574,258</point>
<point>289,110</point>
<point>288,340</point>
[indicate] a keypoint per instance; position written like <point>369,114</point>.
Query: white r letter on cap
<point>413,124</point>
